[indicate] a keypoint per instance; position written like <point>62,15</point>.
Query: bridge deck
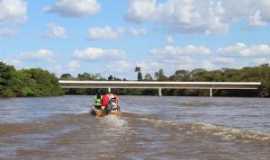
<point>158,84</point>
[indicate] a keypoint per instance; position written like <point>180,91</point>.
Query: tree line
<point>259,73</point>
<point>27,82</point>
<point>37,82</point>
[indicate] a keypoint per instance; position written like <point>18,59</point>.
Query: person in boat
<point>98,100</point>
<point>109,102</point>
<point>105,101</point>
<point>114,103</point>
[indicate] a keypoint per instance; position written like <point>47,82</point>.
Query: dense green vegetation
<point>247,74</point>
<point>38,82</point>
<point>27,82</point>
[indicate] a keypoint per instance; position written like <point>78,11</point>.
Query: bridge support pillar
<point>211,92</point>
<point>160,92</point>
<point>109,90</point>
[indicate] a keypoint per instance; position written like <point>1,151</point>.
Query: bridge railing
<point>162,85</point>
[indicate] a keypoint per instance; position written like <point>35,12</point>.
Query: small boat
<point>115,110</point>
<point>112,107</point>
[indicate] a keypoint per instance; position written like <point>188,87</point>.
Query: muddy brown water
<point>188,128</point>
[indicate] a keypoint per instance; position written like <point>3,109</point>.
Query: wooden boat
<point>101,113</point>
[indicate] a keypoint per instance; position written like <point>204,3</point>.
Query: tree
<point>38,82</point>
<point>160,76</point>
<point>139,76</point>
<point>27,82</point>
<point>6,75</point>
<point>181,75</point>
<point>41,82</point>
<point>110,78</point>
<point>84,76</point>
<point>148,77</point>
<point>137,69</point>
<point>66,76</point>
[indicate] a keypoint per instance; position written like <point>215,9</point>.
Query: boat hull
<point>101,113</point>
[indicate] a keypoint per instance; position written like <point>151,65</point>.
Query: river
<point>160,128</point>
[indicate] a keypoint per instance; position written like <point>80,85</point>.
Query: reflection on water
<point>151,128</point>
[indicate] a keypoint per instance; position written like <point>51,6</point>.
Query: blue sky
<point>102,36</point>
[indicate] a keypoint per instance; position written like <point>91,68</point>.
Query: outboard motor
<point>114,106</point>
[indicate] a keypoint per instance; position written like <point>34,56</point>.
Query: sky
<point>113,37</point>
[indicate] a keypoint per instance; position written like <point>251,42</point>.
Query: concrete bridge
<point>162,85</point>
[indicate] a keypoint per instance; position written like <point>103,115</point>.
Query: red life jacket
<point>105,100</point>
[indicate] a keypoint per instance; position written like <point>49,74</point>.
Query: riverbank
<point>37,82</point>
<point>33,82</point>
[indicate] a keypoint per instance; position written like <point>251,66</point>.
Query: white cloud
<point>264,7</point>
<point>256,20</point>
<point>169,65</point>
<point>72,65</point>
<point>172,58</point>
<point>180,15</point>
<point>13,11</point>
<point>141,10</point>
<point>106,32</point>
<point>259,61</point>
<point>174,51</point>
<point>109,33</point>
<point>74,8</point>
<point>7,32</point>
<point>92,54</point>
<point>136,31</point>
<point>56,31</point>
<point>40,55</point>
<point>205,64</point>
<point>241,49</point>
<point>120,66</point>
<point>169,40</point>
<point>223,61</point>
<point>197,16</point>
<point>13,61</point>
<point>149,66</point>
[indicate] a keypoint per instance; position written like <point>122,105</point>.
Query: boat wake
<point>114,121</point>
<point>231,133</point>
<point>225,133</point>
